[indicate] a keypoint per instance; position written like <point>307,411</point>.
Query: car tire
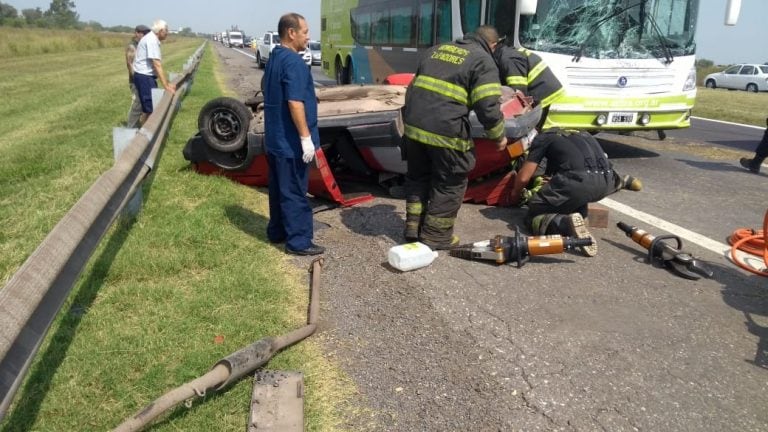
<point>711,84</point>
<point>751,87</point>
<point>223,124</point>
<point>258,61</point>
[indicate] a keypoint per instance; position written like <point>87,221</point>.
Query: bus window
<point>402,28</point>
<point>361,27</point>
<point>425,24</point>
<point>443,16</point>
<point>470,15</point>
<point>380,27</point>
<point>501,15</point>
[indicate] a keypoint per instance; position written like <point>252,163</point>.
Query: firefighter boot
<point>578,228</point>
<point>570,225</point>
<point>751,164</point>
<point>413,220</point>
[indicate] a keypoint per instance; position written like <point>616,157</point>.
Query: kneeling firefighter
<point>451,79</point>
<point>579,172</point>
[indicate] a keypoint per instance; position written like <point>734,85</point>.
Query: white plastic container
<point>411,256</point>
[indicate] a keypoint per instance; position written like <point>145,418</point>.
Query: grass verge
<point>731,105</point>
<point>166,295</point>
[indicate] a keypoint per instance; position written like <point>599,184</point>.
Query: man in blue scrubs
<point>290,110</point>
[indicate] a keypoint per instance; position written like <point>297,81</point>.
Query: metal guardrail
<point>32,298</point>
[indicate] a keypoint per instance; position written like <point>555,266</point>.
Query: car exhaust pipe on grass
<point>233,367</point>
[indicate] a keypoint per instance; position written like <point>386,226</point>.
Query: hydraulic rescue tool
<point>659,251</point>
<point>517,248</point>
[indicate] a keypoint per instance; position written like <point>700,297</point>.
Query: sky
<point>744,43</point>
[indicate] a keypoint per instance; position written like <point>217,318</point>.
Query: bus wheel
<point>350,72</point>
<point>340,72</point>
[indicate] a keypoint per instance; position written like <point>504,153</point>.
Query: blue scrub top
<point>287,77</point>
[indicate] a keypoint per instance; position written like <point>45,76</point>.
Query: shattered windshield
<point>619,29</point>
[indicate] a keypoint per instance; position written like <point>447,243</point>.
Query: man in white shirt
<point>148,66</point>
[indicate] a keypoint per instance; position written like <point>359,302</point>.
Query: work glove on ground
<point>307,149</point>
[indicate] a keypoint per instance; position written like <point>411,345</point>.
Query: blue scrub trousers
<point>290,216</point>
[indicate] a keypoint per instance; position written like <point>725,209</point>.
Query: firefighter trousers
<point>434,186</point>
<point>568,193</point>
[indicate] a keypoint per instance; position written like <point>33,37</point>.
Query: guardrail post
<point>121,139</point>
<point>157,95</point>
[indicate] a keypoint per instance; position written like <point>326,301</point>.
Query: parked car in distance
<point>316,52</point>
<point>247,41</point>
<point>749,77</point>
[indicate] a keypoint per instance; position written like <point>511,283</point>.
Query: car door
<point>746,75</point>
<point>730,77</point>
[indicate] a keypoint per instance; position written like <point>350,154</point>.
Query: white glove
<point>307,149</point>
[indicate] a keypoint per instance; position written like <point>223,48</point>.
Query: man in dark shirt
<point>134,113</point>
<point>579,172</point>
<point>291,138</point>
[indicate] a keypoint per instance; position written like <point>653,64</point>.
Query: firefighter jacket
<point>525,71</point>
<point>452,79</point>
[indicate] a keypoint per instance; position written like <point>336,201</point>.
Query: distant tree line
<point>60,14</point>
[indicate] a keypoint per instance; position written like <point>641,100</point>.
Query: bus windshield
<point>611,29</point>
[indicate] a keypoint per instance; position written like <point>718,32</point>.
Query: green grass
<point>731,105</point>
<point>192,266</point>
<point>25,42</point>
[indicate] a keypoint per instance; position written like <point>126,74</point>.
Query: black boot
<point>751,164</point>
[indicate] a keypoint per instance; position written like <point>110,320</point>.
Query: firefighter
<point>525,71</point>
<point>451,79</point>
<point>579,172</point>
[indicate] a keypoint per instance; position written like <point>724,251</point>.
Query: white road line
<point>245,53</point>
<point>721,249</point>
<point>729,123</point>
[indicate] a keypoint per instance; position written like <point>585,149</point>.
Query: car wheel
<point>711,84</point>
<point>752,88</point>
<point>258,61</point>
<point>223,124</point>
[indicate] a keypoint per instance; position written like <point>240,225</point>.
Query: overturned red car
<point>361,138</point>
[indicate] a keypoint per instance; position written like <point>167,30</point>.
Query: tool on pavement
<point>517,248</point>
<point>661,252</point>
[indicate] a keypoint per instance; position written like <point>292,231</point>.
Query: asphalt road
<point>566,342</point>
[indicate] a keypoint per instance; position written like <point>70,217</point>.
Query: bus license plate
<point>621,118</point>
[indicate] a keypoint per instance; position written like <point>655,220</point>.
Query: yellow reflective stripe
<point>414,208</point>
<point>513,80</point>
<point>436,140</point>
<point>524,51</point>
<point>441,87</point>
<point>547,101</point>
<point>497,131</point>
<point>536,71</point>
<point>438,222</point>
<point>485,90</point>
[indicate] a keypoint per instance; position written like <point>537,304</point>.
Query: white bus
<point>625,64</point>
